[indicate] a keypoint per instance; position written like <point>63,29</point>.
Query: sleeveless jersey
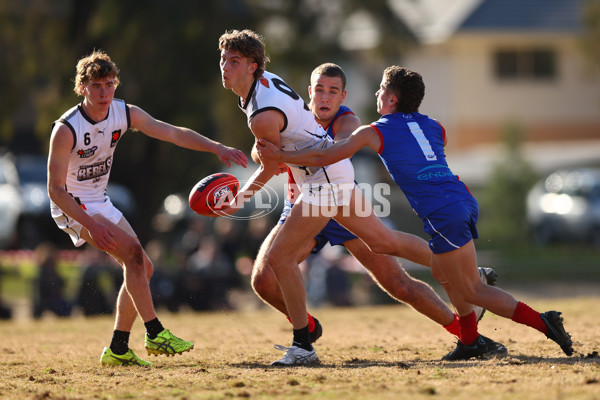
<point>91,157</point>
<point>292,187</point>
<point>342,111</point>
<point>412,150</point>
<point>300,130</point>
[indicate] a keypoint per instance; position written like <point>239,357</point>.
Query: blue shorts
<point>452,226</point>
<point>333,233</point>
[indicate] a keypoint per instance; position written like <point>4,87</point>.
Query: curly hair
<point>97,65</point>
<point>407,85</point>
<point>249,44</point>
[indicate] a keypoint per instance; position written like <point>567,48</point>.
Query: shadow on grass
<point>510,359</point>
<point>347,365</point>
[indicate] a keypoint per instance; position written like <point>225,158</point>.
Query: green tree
<point>168,56</point>
<point>590,40</point>
<point>503,201</point>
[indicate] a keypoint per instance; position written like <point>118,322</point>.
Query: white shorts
<point>73,228</point>
<point>326,194</point>
<point>326,186</point>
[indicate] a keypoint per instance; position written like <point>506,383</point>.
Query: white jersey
<point>91,157</point>
<point>300,131</point>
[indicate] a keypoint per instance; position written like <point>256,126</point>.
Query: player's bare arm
<point>365,136</point>
<point>264,126</point>
<point>281,168</point>
<point>61,144</point>
<point>184,137</point>
<point>345,125</point>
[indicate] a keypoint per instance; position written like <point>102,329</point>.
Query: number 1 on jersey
<point>424,144</point>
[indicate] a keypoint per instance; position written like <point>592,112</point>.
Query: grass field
<point>384,352</point>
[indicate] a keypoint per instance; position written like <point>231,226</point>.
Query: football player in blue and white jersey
<point>411,146</point>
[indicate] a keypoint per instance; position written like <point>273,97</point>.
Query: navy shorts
<point>452,226</point>
<point>333,233</point>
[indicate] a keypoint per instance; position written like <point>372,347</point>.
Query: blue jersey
<point>342,111</point>
<point>412,150</point>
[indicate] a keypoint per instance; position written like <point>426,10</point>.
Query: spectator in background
<point>92,297</point>
<point>209,274</point>
<point>162,284</point>
<point>5,311</point>
<point>231,239</point>
<point>49,286</point>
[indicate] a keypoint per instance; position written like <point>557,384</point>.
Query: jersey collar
<point>243,105</point>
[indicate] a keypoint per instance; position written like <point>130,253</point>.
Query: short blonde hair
<point>97,65</point>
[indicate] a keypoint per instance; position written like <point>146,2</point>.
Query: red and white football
<point>213,193</point>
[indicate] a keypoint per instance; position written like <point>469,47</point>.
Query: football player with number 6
<point>82,145</point>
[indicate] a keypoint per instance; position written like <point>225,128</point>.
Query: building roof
<point>434,21</point>
<point>529,15</point>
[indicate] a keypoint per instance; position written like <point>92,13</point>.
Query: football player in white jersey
<point>80,158</point>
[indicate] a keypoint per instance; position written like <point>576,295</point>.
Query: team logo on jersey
<point>87,153</point>
<point>264,82</point>
<point>116,135</point>
<point>434,172</point>
<point>94,170</point>
<point>78,200</point>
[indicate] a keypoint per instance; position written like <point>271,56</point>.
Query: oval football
<point>213,193</point>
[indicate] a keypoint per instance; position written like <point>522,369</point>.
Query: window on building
<point>525,64</point>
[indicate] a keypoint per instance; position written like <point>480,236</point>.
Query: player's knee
<point>149,268</point>
<point>134,258</point>
<point>261,282</point>
<point>276,259</point>
<point>409,289</point>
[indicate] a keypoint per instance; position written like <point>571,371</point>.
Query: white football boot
<point>296,356</point>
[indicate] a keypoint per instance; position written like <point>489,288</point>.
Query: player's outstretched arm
<point>365,136</point>
<point>184,137</point>
<point>265,126</point>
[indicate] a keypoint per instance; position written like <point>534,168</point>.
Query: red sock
<point>468,328</point>
<point>528,316</point>
<point>453,327</point>
<point>311,322</point>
